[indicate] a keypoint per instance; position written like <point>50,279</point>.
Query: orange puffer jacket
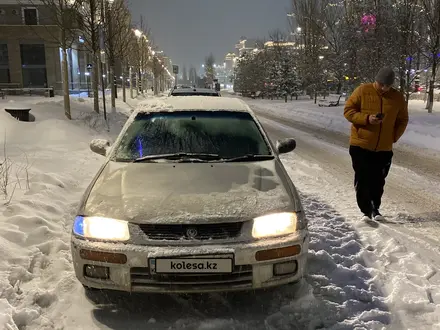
<point>366,101</point>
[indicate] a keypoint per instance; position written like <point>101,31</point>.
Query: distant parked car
<point>192,197</point>
<point>182,86</point>
<point>194,92</point>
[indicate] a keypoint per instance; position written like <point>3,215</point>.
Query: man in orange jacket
<point>379,116</point>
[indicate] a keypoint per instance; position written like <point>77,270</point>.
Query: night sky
<point>188,30</point>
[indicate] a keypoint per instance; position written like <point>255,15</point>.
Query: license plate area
<point>201,264</point>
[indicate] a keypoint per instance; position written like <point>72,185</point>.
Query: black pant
<point>370,168</point>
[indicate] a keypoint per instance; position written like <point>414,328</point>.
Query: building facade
<point>230,60</point>
<point>30,55</point>
<point>245,45</point>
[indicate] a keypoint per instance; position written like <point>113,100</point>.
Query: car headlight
<point>101,228</point>
<point>277,224</point>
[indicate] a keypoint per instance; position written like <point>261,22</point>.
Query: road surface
<point>411,201</point>
<point>413,182</point>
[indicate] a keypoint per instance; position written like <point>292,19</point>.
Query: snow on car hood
<point>190,192</point>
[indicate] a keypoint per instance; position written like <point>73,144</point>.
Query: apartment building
<point>29,48</point>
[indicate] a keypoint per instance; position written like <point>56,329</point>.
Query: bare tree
<point>90,27</point>
<point>331,26</point>
<point>352,44</point>
<point>133,59</point>
<point>306,15</point>
<point>408,42</point>
<point>157,68</point>
<point>64,15</point>
<point>117,40</point>
<point>144,53</point>
<point>431,15</point>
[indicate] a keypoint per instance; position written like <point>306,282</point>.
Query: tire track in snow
<point>340,292</point>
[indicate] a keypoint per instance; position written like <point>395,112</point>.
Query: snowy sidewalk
<point>47,164</point>
<point>423,128</point>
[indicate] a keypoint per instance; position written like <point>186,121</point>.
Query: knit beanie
<point>386,76</point>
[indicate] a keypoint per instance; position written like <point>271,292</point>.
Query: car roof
<point>199,103</point>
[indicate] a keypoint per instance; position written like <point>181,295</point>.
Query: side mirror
<point>100,146</point>
<point>286,145</point>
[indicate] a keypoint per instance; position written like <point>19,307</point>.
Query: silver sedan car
<point>192,197</point>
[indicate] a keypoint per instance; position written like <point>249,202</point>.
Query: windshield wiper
<point>249,157</point>
<point>181,156</point>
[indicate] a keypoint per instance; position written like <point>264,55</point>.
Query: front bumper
<point>136,275</point>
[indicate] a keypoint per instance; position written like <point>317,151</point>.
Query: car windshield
<point>227,134</point>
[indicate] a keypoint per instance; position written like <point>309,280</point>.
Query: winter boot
<point>377,216</point>
<point>366,218</point>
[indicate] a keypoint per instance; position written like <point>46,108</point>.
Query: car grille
<point>187,232</point>
<point>241,277</point>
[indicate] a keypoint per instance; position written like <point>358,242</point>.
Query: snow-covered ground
<point>360,277</point>
<point>402,268</point>
<point>49,164</point>
<point>423,128</point>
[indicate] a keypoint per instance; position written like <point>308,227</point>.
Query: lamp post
<point>130,72</point>
<point>87,74</point>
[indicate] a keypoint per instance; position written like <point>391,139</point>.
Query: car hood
<point>189,192</point>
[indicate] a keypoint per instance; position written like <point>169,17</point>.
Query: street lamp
<point>137,33</point>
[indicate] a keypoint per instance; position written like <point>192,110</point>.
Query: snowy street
<point>360,276</point>
<point>413,183</point>
<point>405,249</point>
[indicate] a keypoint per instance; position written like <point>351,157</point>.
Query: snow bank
<point>423,128</point>
<point>50,165</point>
